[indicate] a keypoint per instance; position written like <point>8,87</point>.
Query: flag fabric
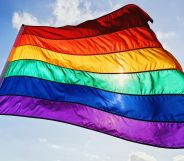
<point>110,74</point>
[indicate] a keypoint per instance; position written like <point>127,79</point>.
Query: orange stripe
<point>124,40</point>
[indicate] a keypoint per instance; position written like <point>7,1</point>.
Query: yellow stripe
<point>123,62</point>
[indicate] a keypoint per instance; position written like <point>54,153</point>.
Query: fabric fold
<point>110,74</point>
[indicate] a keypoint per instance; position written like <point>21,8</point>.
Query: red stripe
<point>123,18</point>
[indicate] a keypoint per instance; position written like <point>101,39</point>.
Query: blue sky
<point>23,139</point>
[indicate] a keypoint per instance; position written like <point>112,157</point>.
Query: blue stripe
<point>150,108</point>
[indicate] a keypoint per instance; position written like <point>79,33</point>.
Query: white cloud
<point>63,13</point>
<point>42,140</point>
<point>179,158</point>
<point>166,38</point>
<point>140,156</point>
<point>95,157</point>
<point>23,18</point>
<point>115,6</point>
<point>92,156</point>
<point>180,19</point>
<point>54,146</point>
<point>165,35</point>
<point>72,12</point>
<point>48,144</point>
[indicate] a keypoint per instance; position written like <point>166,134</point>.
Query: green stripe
<point>146,83</point>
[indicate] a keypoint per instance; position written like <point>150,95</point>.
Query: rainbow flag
<point>110,74</point>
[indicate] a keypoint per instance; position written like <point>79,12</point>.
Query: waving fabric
<point>111,75</point>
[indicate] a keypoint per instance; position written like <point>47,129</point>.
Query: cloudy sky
<point>23,139</point>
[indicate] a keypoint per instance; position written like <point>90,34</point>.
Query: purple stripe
<point>170,135</point>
